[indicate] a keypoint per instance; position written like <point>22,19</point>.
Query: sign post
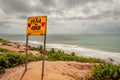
<point>26,58</point>
<point>37,27</point>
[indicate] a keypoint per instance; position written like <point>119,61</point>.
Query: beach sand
<point>57,70</point>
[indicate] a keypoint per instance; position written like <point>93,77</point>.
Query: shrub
<point>104,72</point>
<point>59,55</point>
<point>11,59</point>
<point>32,57</point>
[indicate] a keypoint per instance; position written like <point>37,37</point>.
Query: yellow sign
<point>36,25</point>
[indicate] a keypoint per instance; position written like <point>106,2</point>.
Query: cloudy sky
<point>64,16</point>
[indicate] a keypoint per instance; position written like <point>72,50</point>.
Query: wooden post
<point>26,57</point>
<point>43,62</point>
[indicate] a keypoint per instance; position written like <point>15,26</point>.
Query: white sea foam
<point>80,51</point>
<point>87,52</point>
<point>32,43</point>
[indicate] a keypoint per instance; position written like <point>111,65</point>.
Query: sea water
<point>91,45</point>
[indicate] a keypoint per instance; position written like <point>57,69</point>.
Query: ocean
<point>90,45</point>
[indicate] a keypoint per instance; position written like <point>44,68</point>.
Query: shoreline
<point>80,51</point>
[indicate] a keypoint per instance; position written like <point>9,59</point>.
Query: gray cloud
<point>5,23</point>
<point>77,16</point>
<point>11,6</point>
<point>22,17</point>
<point>2,24</point>
<point>71,3</point>
<point>48,3</point>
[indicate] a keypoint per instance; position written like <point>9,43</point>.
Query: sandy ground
<point>13,47</point>
<point>17,48</point>
<point>57,70</point>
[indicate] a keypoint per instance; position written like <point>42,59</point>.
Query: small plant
<point>40,49</point>
<point>72,54</point>
<point>2,70</point>
<point>59,51</point>
<point>4,42</point>
<point>3,50</point>
<point>52,50</point>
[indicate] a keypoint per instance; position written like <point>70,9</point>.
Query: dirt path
<point>57,70</point>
